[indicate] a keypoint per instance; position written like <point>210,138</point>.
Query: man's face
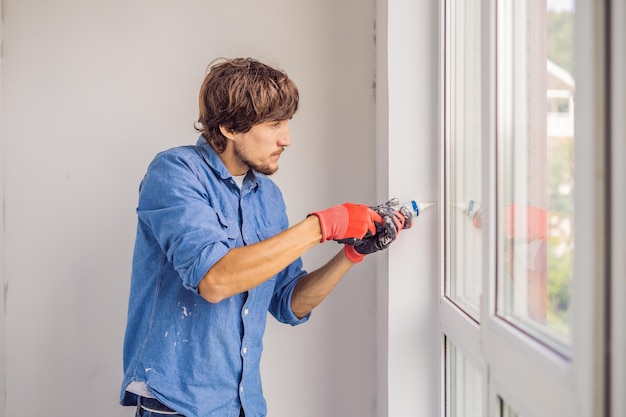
<point>261,147</point>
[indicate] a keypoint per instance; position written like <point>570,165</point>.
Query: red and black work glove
<point>386,232</point>
<point>347,221</point>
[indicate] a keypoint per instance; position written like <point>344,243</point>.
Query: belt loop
<point>139,409</point>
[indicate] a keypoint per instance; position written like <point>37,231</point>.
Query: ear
<point>228,133</point>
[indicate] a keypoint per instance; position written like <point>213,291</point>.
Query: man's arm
<point>313,288</point>
<point>246,267</point>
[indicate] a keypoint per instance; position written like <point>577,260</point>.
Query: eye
<point>275,124</point>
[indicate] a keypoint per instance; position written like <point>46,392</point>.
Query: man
<point>214,252</point>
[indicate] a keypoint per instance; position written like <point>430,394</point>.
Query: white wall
<point>92,90</point>
<point>408,155</point>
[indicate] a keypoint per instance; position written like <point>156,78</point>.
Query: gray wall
<point>92,90</point>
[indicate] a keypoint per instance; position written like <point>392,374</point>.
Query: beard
<point>265,169</point>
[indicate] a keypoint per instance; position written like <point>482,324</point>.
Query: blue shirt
<point>198,358</point>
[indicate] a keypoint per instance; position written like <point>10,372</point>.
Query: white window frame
<point>533,379</point>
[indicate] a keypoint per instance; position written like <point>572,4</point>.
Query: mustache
<point>282,149</point>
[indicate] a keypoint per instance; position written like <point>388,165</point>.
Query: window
<point>463,158</point>
<point>535,168</point>
<point>523,263</point>
<point>464,385</point>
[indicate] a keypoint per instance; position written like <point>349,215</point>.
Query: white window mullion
<point>589,339</point>
<point>489,152</point>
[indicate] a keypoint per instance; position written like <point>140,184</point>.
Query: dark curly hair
<point>241,92</point>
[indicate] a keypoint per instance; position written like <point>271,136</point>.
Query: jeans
<point>149,407</point>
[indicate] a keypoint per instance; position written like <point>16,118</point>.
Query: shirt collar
<point>214,161</point>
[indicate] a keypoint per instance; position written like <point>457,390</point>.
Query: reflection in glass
<point>463,155</point>
<point>464,385</point>
<point>536,167</point>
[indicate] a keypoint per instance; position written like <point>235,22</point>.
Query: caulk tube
<point>414,207</point>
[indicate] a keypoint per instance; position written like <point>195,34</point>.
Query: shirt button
<point>245,312</point>
<point>241,388</point>
<point>244,350</point>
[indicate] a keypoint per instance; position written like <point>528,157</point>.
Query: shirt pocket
<point>230,227</point>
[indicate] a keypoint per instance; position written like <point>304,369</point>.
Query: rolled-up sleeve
<point>280,306</point>
<point>173,204</point>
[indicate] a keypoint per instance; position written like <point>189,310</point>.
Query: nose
<point>285,137</point>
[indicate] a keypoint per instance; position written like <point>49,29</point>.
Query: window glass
<point>463,155</point>
<point>464,385</point>
<point>535,133</point>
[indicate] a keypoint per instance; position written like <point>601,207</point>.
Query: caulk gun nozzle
<point>424,206</point>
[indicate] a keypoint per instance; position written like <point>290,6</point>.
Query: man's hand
<point>348,221</point>
<point>386,232</point>
<point>408,215</point>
